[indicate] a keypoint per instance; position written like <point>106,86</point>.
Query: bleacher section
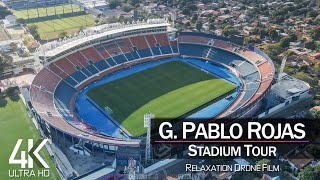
<point>91,54</point>
<point>250,68</point>
<point>48,80</point>
<point>63,95</point>
<point>65,66</point>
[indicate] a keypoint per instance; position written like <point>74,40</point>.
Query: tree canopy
<point>307,173</point>
<point>5,62</point>
<point>229,30</point>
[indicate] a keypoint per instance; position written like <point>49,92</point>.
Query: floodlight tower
<point>147,124</point>
<point>173,17</point>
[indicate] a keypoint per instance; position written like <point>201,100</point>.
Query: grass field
<point>15,124</point>
<point>47,11</point>
<point>50,29</point>
<point>168,90</point>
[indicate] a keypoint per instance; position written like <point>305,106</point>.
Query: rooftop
<point>58,46</point>
<point>289,86</point>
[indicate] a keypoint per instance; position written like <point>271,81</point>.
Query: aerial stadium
<point>94,88</point>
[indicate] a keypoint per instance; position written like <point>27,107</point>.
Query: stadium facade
<point>68,66</point>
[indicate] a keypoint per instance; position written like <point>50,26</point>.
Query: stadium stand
<point>162,39</point>
<point>74,70</point>
<point>54,68</point>
<point>91,54</point>
<point>139,42</point>
<point>174,45</point>
<point>65,66</point>
<point>102,51</point>
<point>44,82</point>
<point>43,101</point>
<point>124,45</point>
<point>120,59</point>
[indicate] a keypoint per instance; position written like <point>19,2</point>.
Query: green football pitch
<point>51,29</point>
<point>46,11</point>
<point>16,124</point>
<point>169,90</point>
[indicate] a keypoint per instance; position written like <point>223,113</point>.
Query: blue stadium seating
<point>144,53</point>
<point>175,49</point>
<point>166,49</point>
<point>192,50</point>
<point>129,56</point>
<point>92,69</point>
<point>79,76</point>
<point>63,95</point>
<point>156,51</point>
<point>111,62</point>
<point>102,65</point>
<point>71,81</point>
<point>86,71</point>
<point>135,55</point>
<point>120,59</point>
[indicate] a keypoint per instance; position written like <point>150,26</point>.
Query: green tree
<point>34,31</point>
<point>314,149</point>
<point>194,18</point>
<point>5,62</point>
<point>212,26</point>
<point>307,78</point>
<point>285,42</point>
<point>114,3</point>
<point>249,40</point>
<point>316,69</point>
<point>21,20</point>
<point>304,68</point>
<point>199,25</point>
<point>307,173</point>
<point>285,166</point>
<point>273,34</point>
<point>313,14</point>
<point>293,37</point>
<point>263,162</point>
<point>263,33</point>
<point>186,11</point>
<point>310,45</point>
<point>133,2</point>
<point>273,50</point>
<point>229,30</point>
<point>126,7</point>
<point>315,33</point>
<point>4,12</point>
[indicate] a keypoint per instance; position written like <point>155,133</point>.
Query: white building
<point>10,20</point>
